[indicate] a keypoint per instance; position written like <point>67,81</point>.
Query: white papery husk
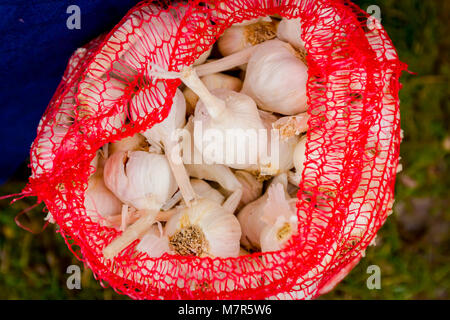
<point>144,182</point>
<point>221,230</point>
<point>276,78</point>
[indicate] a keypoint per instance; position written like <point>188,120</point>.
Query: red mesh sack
<point>352,149</point>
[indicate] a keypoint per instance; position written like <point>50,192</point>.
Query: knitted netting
<point>352,151</point>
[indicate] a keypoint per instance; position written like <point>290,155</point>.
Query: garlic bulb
<point>196,166</point>
<point>204,229</point>
<point>222,114</point>
<point>240,37</point>
<point>230,114</point>
<point>154,242</point>
<point>99,200</point>
<point>251,217</point>
<point>212,81</point>
<point>163,134</point>
<point>289,30</point>
<point>140,179</point>
<point>280,216</point>
<point>134,143</point>
<point>276,78</point>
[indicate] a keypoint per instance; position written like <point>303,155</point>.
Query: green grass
<point>412,247</point>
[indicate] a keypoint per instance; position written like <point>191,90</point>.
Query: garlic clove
<point>289,30</point>
<point>154,242</point>
<point>140,179</point>
<point>204,190</point>
<point>253,218</point>
<point>237,38</point>
<point>276,78</point>
<point>299,156</point>
<point>204,229</point>
<point>99,201</point>
<point>136,142</point>
<point>251,224</point>
<point>251,187</point>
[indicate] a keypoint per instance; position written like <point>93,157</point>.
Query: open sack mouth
<point>303,94</point>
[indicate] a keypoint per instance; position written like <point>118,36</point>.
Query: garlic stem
<point>124,217</point>
<point>215,172</point>
<point>229,62</point>
<point>169,204</point>
<point>165,215</point>
<point>232,202</point>
<point>132,233</point>
<point>214,105</point>
<point>115,221</point>
<point>179,172</point>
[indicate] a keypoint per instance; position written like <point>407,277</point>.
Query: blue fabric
<point>35,45</point>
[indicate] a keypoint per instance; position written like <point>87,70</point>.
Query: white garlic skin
<point>211,81</point>
<point>289,30</point>
<point>232,40</point>
<point>299,156</point>
<point>154,243</point>
<point>161,132</point>
<point>250,217</point>
<point>144,182</point>
<point>276,78</point>
<point>99,200</point>
<point>251,187</point>
<point>240,113</point>
<point>280,216</point>
<point>252,21</point>
<point>286,147</point>
<point>204,190</point>
<point>203,57</point>
<point>251,224</point>
<point>221,230</point>
<point>134,143</point>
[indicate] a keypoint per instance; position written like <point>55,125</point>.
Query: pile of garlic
<point>187,198</point>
